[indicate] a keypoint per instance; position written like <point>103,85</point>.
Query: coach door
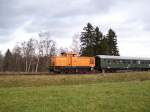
<point>70,57</point>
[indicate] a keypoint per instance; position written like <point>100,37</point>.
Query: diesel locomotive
<point>73,63</point>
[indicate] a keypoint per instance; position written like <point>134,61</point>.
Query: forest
<point>34,55</point>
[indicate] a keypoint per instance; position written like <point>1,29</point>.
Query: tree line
<point>29,56</point>
<point>34,55</point>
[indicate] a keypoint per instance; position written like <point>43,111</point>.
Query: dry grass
<point>18,80</point>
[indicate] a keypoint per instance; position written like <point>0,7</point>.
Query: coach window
<point>123,61</point>
<point>134,61</point>
<point>139,62</point>
<point>114,61</point>
<point>109,62</point>
<point>120,61</point>
<point>144,62</point>
<point>117,61</point>
<point>104,61</point>
<point>128,61</point>
<point>147,62</point>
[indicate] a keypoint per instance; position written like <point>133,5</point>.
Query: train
<point>71,62</point>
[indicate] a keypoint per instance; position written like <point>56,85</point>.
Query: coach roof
<point>121,57</point>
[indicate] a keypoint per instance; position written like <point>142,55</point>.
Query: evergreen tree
<point>112,43</point>
<point>98,36</point>
<point>87,41</point>
<point>104,46</point>
<point>7,63</point>
<point>1,62</point>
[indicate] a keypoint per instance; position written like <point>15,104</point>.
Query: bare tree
<point>75,46</point>
<point>17,58</point>
<point>24,54</point>
<point>48,46</point>
<point>39,53</point>
<point>28,51</point>
<point>63,49</point>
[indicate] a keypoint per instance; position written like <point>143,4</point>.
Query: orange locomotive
<point>71,62</point>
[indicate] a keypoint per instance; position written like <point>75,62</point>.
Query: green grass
<point>129,92</point>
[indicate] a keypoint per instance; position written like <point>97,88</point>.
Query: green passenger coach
<point>113,63</point>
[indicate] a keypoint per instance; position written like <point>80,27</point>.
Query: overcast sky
<point>130,19</point>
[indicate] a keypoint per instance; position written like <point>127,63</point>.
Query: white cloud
<point>129,19</point>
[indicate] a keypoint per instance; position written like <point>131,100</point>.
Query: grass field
<point>121,92</point>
